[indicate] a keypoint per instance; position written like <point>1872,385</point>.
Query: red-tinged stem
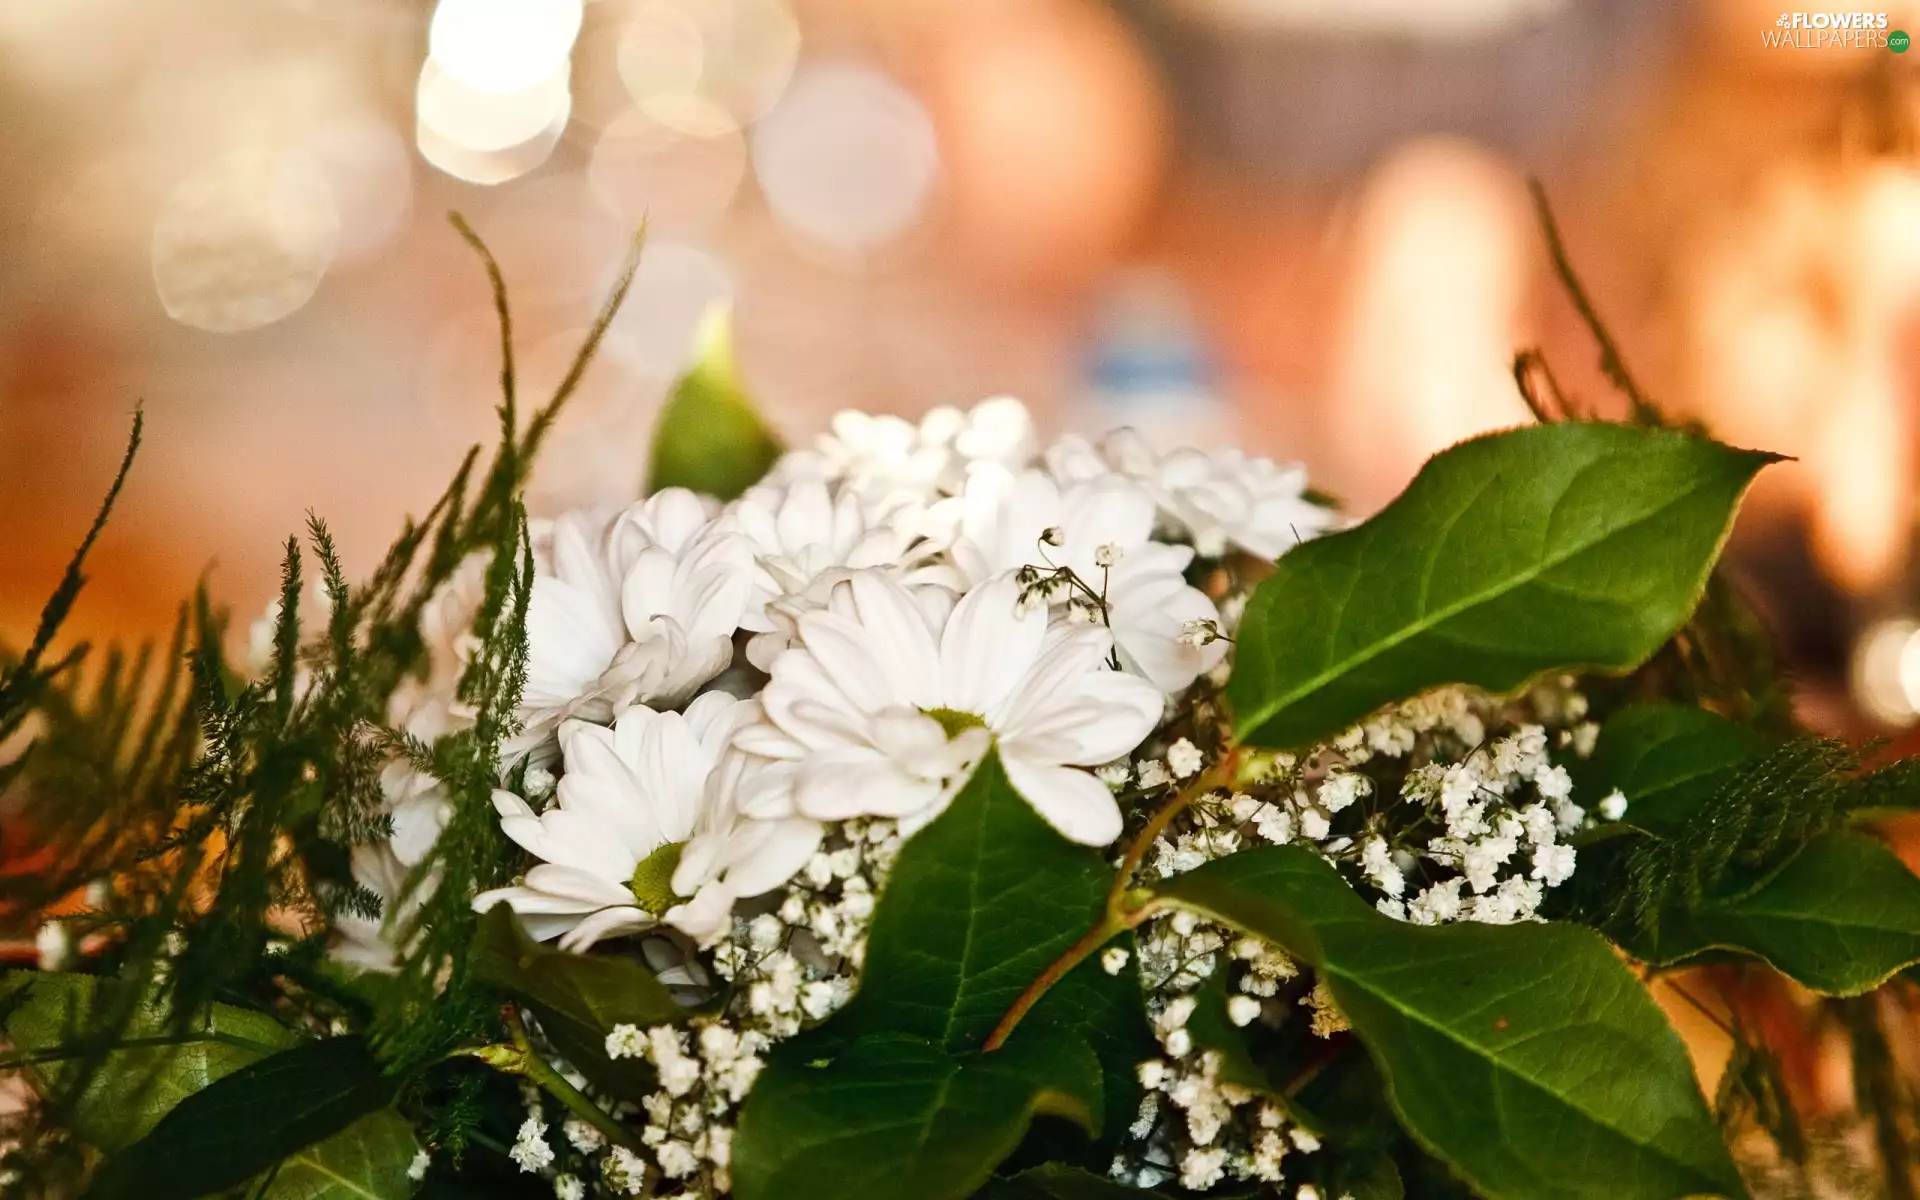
<point>1119,915</point>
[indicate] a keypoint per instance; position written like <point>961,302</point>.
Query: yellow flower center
<point>652,882</point>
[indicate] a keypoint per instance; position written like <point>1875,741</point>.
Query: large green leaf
<point>895,1117</point>
<point>1842,917</point>
<point>578,998</point>
<point>1528,1056</point>
<point>242,1125</point>
<point>710,437</point>
<point>1556,546</point>
<point>978,904</point>
<point>1667,760</point>
<point>368,1160</point>
<point>156,1067</point>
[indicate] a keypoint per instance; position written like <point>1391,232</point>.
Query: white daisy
<point>1217,499</point>
<point>638,610</point>
<point>802,530</point>
<point>428,706</point>
<point>749,840</point>
<point>367,941</point>
<point>884,707</point>
<point>1100,528</point>
<point>631,795</point>
<point>883,459</point>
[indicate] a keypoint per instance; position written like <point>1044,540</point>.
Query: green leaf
<point>1057,1181</point>
<point>578,998</point>
<point>157,1066</point>
<point>1556,546</point>
<point>1667,760</point>
<point>242,1125</point>
<point>895,1117</point>
<point>1842,917</point>
<point>710,438</point>
<point>368,1160</point>
<point>1528,1056</point>
<point>978,904</point>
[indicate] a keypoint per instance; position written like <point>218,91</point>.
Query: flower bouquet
<point>925,813</point>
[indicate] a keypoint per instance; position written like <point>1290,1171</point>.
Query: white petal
<point>988,646</point>
<point>1070,654</point>
<point>1107,715</point>
<point>1073,802</point>
<point>768,853</point>
<point>836,785</point>
<point>608,922</point>
<point>901,643</point>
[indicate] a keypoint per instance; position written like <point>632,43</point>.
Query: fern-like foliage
<point>186,787</point>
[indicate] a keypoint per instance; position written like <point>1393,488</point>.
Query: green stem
<point>521,1059</point>
<point>1122,912</point>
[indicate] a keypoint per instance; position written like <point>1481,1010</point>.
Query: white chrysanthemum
<point>801,532</point>
<point>885,707</point>
<point>428,706</point>
<point>1217,499</point>
<point>629,791</point>
<point>884,459</point>
<point>417,805</point>
<point>639,610</point>
<point>1103,528</point>
<point>749,840</point>
<point>369,941</point>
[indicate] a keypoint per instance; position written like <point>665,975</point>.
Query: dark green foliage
<point>1841,917</point>
<point>1503,1047</point>
<point>191,786</point>
<point>249,1121</point>
<point>1549,548</point>
<point>577,998</point>
<point>895,1117</point>
<point>112,1079</point>
<point>978,904</point>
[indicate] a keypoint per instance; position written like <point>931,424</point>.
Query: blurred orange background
<point>1298,223</point>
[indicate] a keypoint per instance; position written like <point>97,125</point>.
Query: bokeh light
<point>643,169</point>
<point>245,241</point>
<point>848,159</point>
<point>490,167</point>
<point>484,120</point>
<point>503,45</point>
<point>705,67</point>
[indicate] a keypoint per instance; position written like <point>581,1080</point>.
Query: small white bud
<point>1052,536</point>
<point>1114,960</point>
<point>1243,1010</point>
<point>1614,806</point>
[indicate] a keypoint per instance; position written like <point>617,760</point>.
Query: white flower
<point>530,1150</point>
<point>637,610</point>
<point>884,459</point>
<point>428,706</point>
<point>1218,499</point>
<point>628,792</point>
<point>1614,806</point>
<point>1184,759</point>
<point>1105,529</point>
<point>885,711</point>
<point>803,534</point>
<point>417,1169</point>
<point>748,840</point>
<point>367,942</point>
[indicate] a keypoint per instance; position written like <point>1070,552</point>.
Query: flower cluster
<point>735,714</point>
<point>1446,808</point>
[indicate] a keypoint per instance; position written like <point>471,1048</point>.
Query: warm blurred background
<point>1299,223</point>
